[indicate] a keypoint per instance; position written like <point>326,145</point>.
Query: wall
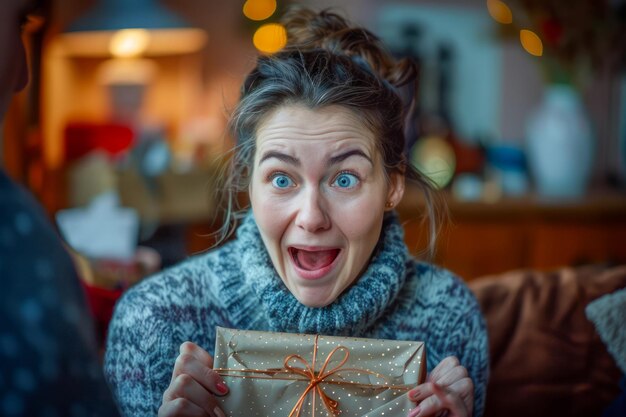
<point>522,84</point>
<point>229,54</point>
<point>192,92</point>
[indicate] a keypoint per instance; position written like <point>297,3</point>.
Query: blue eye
<point>346,180</point>
<point>282,181</point>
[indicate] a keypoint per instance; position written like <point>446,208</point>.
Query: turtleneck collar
<point>351,314</point>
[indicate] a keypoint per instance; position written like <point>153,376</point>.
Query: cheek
<point>270,217</point>
<point>360,218</point>
<point>358,225</point>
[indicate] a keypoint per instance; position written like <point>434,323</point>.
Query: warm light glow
<point>128,43</point>
<point>126,71</point>
<point>270,38</point>
<point>500,12</point>
<point>259,9</point>
<point>434,157</point>
<point>531,42</point>
<point>162,42</point>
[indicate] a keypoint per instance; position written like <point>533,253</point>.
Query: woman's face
<point>318,193</point>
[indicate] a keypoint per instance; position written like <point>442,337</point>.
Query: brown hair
<point>326,62</point>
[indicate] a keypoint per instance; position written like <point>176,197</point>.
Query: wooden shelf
<point>489,238</point>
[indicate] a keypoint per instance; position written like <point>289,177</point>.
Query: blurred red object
<point>469,158</point>
<point>101,303</point>
<point>104,281</point>
<point>82,138</point>
<point>552,31</point>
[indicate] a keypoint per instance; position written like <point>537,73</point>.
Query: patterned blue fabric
<point>48,355</point>
<point>236,286</point>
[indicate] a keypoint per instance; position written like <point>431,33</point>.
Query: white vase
<point>560,146</point>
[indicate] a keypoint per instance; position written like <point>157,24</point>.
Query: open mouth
<point>313,263</point>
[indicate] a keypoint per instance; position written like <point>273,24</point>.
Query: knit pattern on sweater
<point>237,286</point>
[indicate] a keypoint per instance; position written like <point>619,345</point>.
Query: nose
<point>312,214</point>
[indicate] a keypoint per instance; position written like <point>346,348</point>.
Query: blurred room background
<point>521,122</point>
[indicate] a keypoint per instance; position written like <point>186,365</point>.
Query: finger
<point>451,399</point>
<point>414,412</point>
<point>443,399</point>
<point>191,349</point>
<point>443,366</point>
<point>465,388</point>
<point>207,377</point>
<point>184,386</point>
<point>429,407</point>
<point>421,392</point>
<point>195,350</point>
<point>451,375</point>
<point>182,407</point>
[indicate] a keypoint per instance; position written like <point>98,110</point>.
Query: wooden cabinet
<point>490,238</point>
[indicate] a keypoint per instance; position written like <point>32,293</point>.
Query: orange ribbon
<point>316,378</point>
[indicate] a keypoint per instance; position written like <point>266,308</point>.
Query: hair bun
<point>307,30</point>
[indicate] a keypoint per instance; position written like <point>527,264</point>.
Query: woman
<point>320,141</point>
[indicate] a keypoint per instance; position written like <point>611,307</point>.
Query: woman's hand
<point>448,391</point>
<point>193,386</point>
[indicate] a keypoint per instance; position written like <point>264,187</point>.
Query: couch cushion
<point>546,357</point>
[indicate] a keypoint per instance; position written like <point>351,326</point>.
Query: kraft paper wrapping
<point>269,374</point>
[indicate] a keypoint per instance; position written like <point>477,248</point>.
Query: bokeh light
<point>434,157</point>
<point>270,38</point>
<point>128,43</point>
<point>531,42</point>
<point>500,12</point>
<point>259,9</point>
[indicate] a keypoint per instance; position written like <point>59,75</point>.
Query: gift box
<point>298,375</point>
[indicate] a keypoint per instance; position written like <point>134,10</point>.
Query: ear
<point>396,190</point>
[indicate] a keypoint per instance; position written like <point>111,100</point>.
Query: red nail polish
<point>223,389</point>
<point>414,394</point>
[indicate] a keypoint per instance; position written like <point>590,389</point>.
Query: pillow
<point>608,314</point>
<point>546,357</point>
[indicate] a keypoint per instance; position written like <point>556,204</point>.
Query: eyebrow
<point>342,157</point>
<point>295,161</point>
<point>281,157</point>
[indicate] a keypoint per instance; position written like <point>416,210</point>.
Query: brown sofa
<point>546,356</point>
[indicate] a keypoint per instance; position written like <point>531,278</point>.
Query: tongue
<point>312,261</point>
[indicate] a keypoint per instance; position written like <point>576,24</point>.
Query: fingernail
<point>414,394</point>
<point>414,412</point>
<point>222,388</point>
<point>218,412</point>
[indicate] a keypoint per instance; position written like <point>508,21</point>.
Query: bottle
<point>469,158</point>
<point>409,47</point>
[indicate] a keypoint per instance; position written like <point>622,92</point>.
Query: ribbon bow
<point>315,378</point>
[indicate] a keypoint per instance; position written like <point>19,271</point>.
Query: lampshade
<point>91,33</point>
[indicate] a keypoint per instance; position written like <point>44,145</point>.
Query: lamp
<point>128,28</point>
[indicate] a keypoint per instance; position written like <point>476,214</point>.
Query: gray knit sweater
<point>236,286</point>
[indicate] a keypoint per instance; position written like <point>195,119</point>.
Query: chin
<point>315,300</point>
<point>312,304</point>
